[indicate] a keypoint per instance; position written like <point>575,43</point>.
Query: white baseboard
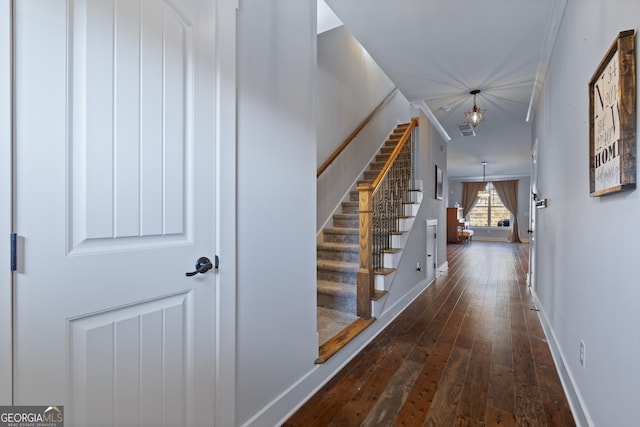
<point>578,407</point>
<point>442,268</point>
<point>477,238</point>
<point>287,403</point>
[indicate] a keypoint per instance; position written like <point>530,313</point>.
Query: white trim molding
<point>226,226</point>
<point>6,206</point>
<point>553,26</point>
<point>422,106</point>
<point>576,402</point>
<point>442,268</point>
<point>279,409</point>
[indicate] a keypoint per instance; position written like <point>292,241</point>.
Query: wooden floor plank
<point>529,409</point>
<point>496,417</point>
<point>415,409</point>
<point>500,394</point>
<point>469,351</point>
<point>446,400</point>
<point>385,410</point>
<point>327,406</point>
<point>473,404</point>
<point>362,402</point>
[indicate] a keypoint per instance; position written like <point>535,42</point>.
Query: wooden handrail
<point>351,137</point>
<point>394,154</point>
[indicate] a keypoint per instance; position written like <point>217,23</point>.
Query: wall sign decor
<point>612,119</point>
<point>439,183</point>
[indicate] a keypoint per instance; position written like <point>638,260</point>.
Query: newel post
<point>365,285</point>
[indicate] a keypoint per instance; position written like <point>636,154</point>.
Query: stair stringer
<point>383,282</point>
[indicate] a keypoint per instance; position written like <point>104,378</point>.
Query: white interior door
<point>115,190</point>
<point>533,214</point>
<point>6,329</point>
<point>432,226</point>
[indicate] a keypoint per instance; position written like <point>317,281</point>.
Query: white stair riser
<point>377,307</point>
<point>391,260</point>
<point>406,223</point>
<point>382,282</point>
<point>399,240</point>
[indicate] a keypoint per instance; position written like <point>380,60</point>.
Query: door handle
<point>203,264</point>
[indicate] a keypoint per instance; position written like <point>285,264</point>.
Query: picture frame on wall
<point>439,183</point>
<point>612,119</point>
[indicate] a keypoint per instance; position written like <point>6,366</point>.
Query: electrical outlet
<point>418,268</point>
<point>582,354</point>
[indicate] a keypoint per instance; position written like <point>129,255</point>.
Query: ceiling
<point>437,51</point>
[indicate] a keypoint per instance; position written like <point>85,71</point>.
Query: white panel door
<point>533,215</point>
<point>115,107</point>
<point>432,226</point>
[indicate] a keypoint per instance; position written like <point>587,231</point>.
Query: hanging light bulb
<point>475,115</point>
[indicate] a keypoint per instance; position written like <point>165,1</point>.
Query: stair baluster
<point>381,206</point>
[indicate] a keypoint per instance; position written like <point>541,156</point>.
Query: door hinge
<point>14,251</point>
<point>435,235</point>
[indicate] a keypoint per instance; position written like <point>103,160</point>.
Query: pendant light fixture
<point>488,185</point>
<point>475,115</point>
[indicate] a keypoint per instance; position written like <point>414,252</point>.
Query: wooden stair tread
<point>344,337</point>
<point>384,271</point>
<point>391,251</point>
<point>379,294</point>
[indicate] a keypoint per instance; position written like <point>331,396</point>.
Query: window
<point>489,211</point>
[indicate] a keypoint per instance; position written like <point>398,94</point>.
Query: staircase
<point>338,255</point>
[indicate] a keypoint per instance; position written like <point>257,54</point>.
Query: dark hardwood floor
<point>469,351</point>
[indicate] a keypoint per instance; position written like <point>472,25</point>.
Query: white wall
<point>276,164</point>
<point>340,176</point>
<point>433,151</point>
<point>350,86</point>
<point>277,338</point>
<point>587,255</point>
<point>502,233</point>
